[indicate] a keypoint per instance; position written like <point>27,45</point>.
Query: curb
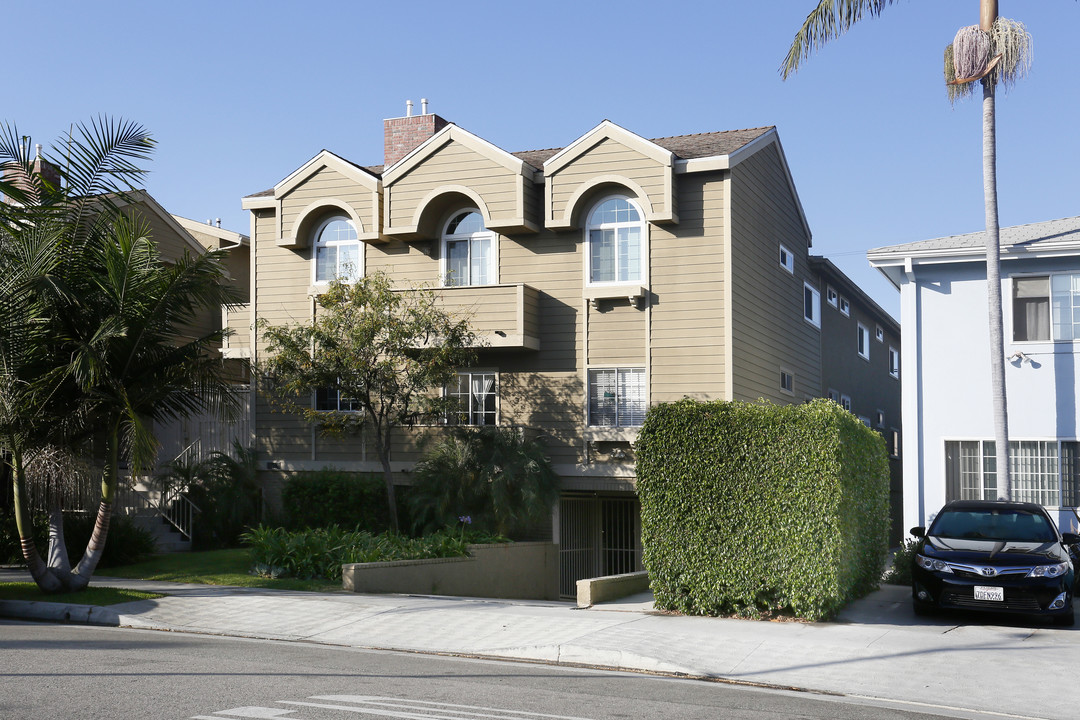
<point>59,612</point>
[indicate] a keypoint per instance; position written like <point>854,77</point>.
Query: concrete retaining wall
<point>611,587</point>
<point>522,570</point>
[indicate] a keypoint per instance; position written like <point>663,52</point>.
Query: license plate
<point>983,592</point>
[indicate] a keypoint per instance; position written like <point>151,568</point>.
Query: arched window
<point>616,241</point>
<point>469,251</point>
<point>337,251</point>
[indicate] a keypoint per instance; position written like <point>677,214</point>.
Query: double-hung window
<point>331,400</point>
<point>1046,307</point>
<point>469,250</point>
<point>616,242</point>
<point>864,342</point>
<point>475,396</point>
<point>812,305</point>
<point>337,251</point>
<point>617,397</point>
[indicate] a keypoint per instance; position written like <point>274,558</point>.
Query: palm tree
<point>997,50</point>
<point>106,351</point>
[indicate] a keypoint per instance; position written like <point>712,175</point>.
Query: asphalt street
<point>71,671</point>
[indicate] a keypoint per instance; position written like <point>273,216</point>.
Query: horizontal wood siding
<point>687,279</point>
<point>768,329</point>
<point>617,334</point>
<point>609,157</point>
<point>454,164</point>
<point>405,262</point>
<point>326,183</point>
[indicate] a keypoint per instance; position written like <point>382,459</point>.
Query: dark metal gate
<point>597,536</point>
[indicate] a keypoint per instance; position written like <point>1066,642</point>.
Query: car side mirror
<point>919,531</point>
<point>1070,538</point>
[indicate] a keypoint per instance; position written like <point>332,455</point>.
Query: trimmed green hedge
<point>334,497</point>
<point>751,507</point>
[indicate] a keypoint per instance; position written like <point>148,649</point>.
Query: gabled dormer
<point>326,184</point>
<point>602,159</point>
<point>455,168</point>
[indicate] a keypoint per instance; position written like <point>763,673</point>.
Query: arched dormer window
<point>469,251</point>
<point>337,251</point>
<point>615,234</point>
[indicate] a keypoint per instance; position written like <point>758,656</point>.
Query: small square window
<point>879,334</point>
<point>864,342</point>
<point>864,420</point>
<point>787,261</point>
<point>812,305</point>
<point>787,382</point>
<point>894,362</point>
<point>834,396</point>
<point>831,296</point>
<point>845,402</point>
<point>845,306</point>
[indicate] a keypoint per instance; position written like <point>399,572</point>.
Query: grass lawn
<point>214,567</point>
<point>90,596</point>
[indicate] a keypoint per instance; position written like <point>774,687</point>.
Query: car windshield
<point>993,524</point>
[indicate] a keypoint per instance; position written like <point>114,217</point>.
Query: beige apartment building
<point>605,276</point>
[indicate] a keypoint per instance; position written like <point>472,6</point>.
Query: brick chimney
<point>402,135</point>
<point>15,176</point>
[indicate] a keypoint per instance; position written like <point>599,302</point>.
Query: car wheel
<point>1066,620</point>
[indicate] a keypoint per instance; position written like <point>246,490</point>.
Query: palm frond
<point>828,21</point>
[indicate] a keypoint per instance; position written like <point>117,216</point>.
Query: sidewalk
<point>877,648</point>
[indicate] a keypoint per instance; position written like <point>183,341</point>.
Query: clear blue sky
<point>239,94</point>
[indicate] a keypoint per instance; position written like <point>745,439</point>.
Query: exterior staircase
<point>169,517</point>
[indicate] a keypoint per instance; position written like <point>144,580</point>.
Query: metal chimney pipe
<point>408,108</point>
<point>423,106</point>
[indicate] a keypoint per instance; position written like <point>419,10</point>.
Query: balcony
<point>238,319</point>
<point>503,316</point>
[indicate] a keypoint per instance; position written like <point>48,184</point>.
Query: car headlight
<point>1050,571</point>
<point>932,564</point>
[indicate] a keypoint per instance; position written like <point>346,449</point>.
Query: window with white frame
<point>1042,471</point>
<point>864,342</point>
<point>338,255</point>
<point>616,236</point>
<point>331,400</point>
<point>469,251</point>
<point>475,396</point>
<point>787,260</point>
<point>879,333</point>
<point>812,305</point>
<point>617,397</point>
<point>830,295</point>
<point>845,402</point>
<point>787,382</point>
<point>892,440</point>
<point>879,418</point>
<point>834,395</point>
<point>894,362</point>
<point>1046,307</point>
<point>845,306</point>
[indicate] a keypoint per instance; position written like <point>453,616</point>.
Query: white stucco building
<point>948,452</point>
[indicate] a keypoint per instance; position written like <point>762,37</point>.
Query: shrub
<point>756,507</point>
<point>493,475</point>
<point>900,572</point>
<point>320,552</point>
<point>334,497</point>
<point>125,544</point>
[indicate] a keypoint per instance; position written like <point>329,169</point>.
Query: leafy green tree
<point>97,342</point>
<point>994,51</point>
<point>378,354</point>
<point>496,477</point>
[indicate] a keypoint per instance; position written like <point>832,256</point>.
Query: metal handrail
<point>176,507</point>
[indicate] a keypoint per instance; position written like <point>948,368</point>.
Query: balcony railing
<point>503,316</point>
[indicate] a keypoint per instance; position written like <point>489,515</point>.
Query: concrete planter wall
<point>523,570</point>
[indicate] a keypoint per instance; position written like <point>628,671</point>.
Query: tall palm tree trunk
<point>39,571</point>
<point>987,16</point>
<point>80,576</point>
